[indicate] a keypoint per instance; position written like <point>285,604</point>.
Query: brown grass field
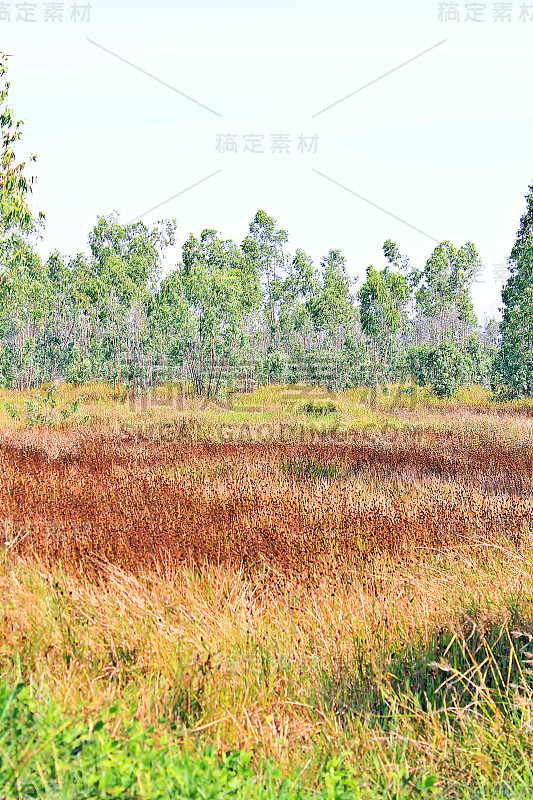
<point>301,510</point>
<point>360,588</point>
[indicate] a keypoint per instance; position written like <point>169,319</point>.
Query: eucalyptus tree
<point>24,298</point>
<point>402,265</point>
<point>513,364</point>
<point>74,332</point>
<point>264,247</point>
<point>525,231</point>
<point>331,307</point>
<point>296,329</point>
<point>171,326</point>
<point>383,299</point>
<point>444,295</point>
<point>126,266</point>
<point>15,185</point>
<point>20,267</point>
<point>514,361</point>
<point>331,304</point>
<point>220,284</point>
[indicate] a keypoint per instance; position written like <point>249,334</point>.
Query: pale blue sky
<point>444,142</point>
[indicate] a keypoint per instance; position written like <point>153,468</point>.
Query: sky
<point>349,121</point>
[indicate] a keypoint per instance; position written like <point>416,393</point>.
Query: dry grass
<point>294,597</point>
<point>303,510</point>
<point>284,670</point>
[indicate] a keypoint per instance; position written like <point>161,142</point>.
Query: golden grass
<point>267,667</point>
<point>269,590</point>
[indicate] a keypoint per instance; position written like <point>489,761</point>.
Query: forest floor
<point>287,594</point>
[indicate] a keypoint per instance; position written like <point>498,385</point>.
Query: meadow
<point>290,593</point>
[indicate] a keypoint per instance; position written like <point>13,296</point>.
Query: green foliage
<point>42,410</point>
<point>216,282</point>
<point>318,408</point>
<point>14,185</point>
<point>273,368</point>
<point>383,299</point>
<point>446,364</point>
<point>12,411</point>
<point>110,316</point>
<point>513,363</point>
<point>331,304</point>
<point>525,231</point>
<point>444,295</point>
<point>45,755</point>
<point>418,364</point>
<point>263,248</point>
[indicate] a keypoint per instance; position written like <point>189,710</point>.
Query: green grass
<point>444,715</point>
<point>45,755</point>
<point>42,755</point>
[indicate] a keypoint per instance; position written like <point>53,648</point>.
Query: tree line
<point>237,314</point>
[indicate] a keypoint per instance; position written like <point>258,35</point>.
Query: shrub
<point>318,408</point>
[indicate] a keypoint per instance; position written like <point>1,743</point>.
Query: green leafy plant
<point>12,411</point>
<point>44,754</point>
<point>318,408</point>
<point>43,409</point>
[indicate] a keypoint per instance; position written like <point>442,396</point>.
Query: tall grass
<point>345,613</point>
<point>406,674</point>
